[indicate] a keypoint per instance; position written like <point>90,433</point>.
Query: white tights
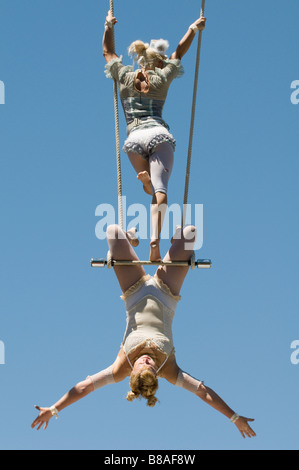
<point>159,165</point>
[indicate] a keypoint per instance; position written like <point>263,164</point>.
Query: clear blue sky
<point>60,320</point>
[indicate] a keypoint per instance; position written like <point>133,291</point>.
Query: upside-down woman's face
<point>145,362</point>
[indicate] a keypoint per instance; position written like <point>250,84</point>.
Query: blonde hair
<point>144,54</point>
<point>143,384</point>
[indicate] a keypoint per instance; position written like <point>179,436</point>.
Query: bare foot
<point>145,179</point>
<point>155,251</point>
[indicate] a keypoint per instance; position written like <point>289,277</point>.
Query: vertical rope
<point>192,120</point>
<point>117,139</point>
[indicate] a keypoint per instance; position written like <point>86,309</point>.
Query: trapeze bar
<point>200,263</point>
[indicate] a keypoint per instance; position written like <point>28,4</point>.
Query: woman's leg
<point>158,210</point>
<point>181,250</point>
<point>155,174</point>
<point>121,249</point>
<point>161,164</point>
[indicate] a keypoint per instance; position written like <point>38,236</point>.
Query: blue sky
<point>60,320</point>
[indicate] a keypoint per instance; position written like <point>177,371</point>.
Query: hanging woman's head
<point>144,381</point>
<point>149,56</point>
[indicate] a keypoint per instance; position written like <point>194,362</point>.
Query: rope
<point>192,120</point>
<point>117,139</point>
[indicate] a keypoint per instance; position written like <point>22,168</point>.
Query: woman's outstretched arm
<point>113,374</point>
<point>177,377</point>
<point>187,40</point>
<point>81,390</point>
<point>108,40</point>
<point>211,398</point>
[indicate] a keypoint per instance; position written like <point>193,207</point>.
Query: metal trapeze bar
<point>200,263</point>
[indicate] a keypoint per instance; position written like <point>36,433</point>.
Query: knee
<point>114,232</point>
<point>189,233</point>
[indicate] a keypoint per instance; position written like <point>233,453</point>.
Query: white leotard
<point>150,311</point>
